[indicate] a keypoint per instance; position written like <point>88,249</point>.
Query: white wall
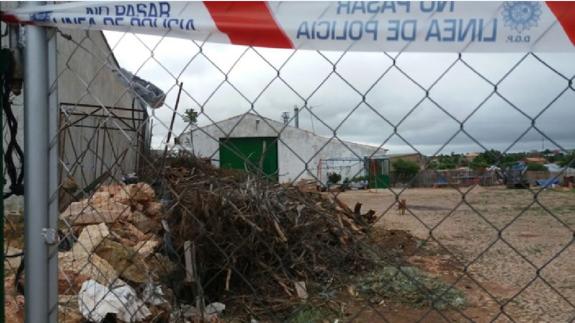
<point>293,142</point>
<point>85,77</point>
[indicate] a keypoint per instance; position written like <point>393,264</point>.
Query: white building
<point>103,125</point>
<point>292,153</point>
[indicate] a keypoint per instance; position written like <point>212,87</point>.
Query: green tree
<point>510,159</point>
<point>447,161</point>
<point>333,178</point>
<point>492,156</point>
<point>554,158</point>
<point>479,162</point>
<point>191,116</point>
<point>495,157</point>
<point>433,164</point>
<point>568,160</point>
<point>536,167</point>
<point>404,170</point>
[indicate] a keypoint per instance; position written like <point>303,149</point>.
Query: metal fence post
<point>53,174</point>
<point>2,183</point>
<point>36,170</point>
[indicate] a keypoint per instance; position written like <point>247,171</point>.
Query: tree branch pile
<point>251,236</point>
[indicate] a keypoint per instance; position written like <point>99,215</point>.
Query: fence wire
<point>184,195</point>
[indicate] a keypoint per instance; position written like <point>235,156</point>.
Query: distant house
<point>556,171</point>
<point>470,156</point>
<point>535,160</point>
<point>284,153</point>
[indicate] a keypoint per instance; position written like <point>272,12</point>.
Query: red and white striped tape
<point>428,26</point>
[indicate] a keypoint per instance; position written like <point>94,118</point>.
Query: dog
<point>402,206</point>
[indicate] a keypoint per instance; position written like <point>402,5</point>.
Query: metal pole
<point>2,183</point>
<point>36,170</point>
<point>172,122</point>
<point>53,175</point>
<point>296,116</point>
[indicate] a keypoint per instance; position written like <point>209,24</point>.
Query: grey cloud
<point>530,87</point>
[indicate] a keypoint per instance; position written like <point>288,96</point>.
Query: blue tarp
<point>547,182</point>
<point>441,181</point>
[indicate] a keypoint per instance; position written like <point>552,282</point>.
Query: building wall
<point>111,138</point>
<point>89,65</point>
<point>94,144</point>
<point>296,147</point>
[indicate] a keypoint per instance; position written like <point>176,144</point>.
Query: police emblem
<point>521,15</point>
<point>41,16</point>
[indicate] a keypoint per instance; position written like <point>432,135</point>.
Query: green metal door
<point>258,155</point>
<point>378,173</point>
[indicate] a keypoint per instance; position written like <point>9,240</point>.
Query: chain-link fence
<point>201,181</point>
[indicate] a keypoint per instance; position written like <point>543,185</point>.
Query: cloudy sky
<point>336,99</point>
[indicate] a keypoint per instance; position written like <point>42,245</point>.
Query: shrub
<point>333,178</point>
<point>536,167</point>
<point>411,286</point>
<point>405,169</point>
<point>567,160</point>
<point>359,178</point>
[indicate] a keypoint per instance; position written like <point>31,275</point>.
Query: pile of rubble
<point>112,267</point>
<point>199,239</point>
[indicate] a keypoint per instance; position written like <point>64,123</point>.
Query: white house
<point>292,153</point>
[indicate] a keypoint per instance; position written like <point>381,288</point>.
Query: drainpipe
<point>296,114</point>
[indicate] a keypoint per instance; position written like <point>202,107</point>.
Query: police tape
<point>428,26</point>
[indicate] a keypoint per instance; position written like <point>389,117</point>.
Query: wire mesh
<point>174,202</point>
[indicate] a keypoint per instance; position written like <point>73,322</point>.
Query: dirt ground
<point>510,251</point>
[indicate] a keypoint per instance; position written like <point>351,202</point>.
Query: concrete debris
<point>81,259</point>
<point>93,266</point>
<point>135,193</point>
<point>13,303</point>
<point>11,263</point>
<point>93,212</point>
<point>126,261</point>
<point>300,289</point>
<point>135,232</point>
<point>90,239</point>
<point>153,294</point>
<point>70,282</point>
<point>154,209</point>
<point>96,301</point>
<point>215,308</point>
<point>111,204</point>
<point>68,311</point>
<point>117,230</point>
<point>211,313</point>
<point>113,189</point>
<point>146,248</point>
<point>142,222</point>
<point>14,309</point>
<point>128,234</point>
<point>161,265</point>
